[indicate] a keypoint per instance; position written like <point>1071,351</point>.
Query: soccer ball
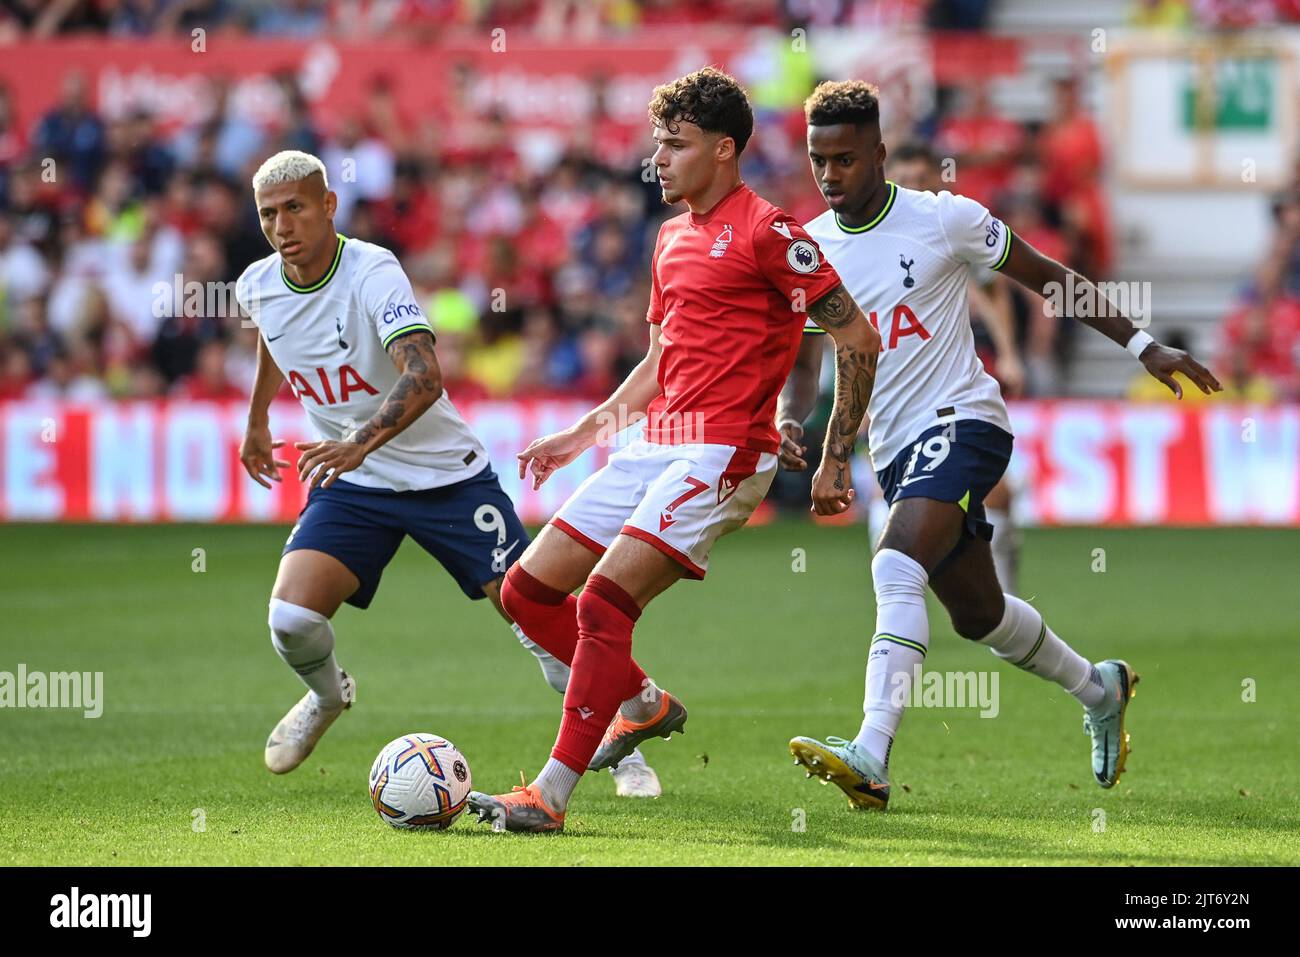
<point>419,781</point>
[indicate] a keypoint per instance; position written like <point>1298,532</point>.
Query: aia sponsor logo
<point>903,323</point>
<point>348,381</point>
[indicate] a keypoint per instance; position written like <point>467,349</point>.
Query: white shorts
<point>678,498</point>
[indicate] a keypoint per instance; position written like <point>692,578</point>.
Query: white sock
<point>1023,638</point>
<point>556,782</point>
<point>898,647</point>
<point>305,640</point>
<point>644,706</point>
<point>554,670</point>
<point>1006,549</point>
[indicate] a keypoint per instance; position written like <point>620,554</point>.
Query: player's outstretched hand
<point>323,462</point>
<point>1011,373</point>
<point>792,447</point>
<point>1162,362</point>
<point>257,454</point>
<point>549,453</point>
<point>832,488</point>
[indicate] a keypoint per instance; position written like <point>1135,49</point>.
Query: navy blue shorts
<point>957,462</point>
<point>470,527</point>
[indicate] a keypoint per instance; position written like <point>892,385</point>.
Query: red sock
<point>550,617</point>
<point>601,666</point>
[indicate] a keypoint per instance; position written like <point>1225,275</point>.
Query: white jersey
<point>330,340</point>
<point>907,271</point>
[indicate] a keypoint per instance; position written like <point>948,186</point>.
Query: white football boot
<point>633,778</point>
<point>296,735</point>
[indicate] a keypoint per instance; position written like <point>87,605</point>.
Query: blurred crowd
<point>1224,15</point>
<point>536,280</point>
<point>358,19</point>
<point>536,283</point>
<point>572,19</point>
<point>1259,340</point>
<point>1044,180</point>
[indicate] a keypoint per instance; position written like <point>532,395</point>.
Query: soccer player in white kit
<point>338,319</point>
<point>939,435</point>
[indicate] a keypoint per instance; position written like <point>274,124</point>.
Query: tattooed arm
<point>857,346</point>
<point>417,388</point>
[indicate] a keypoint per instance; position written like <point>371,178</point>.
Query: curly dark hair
<point>710,99</point>
<point>843,101</point>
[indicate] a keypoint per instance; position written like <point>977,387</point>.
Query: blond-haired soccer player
<point>337,318</point>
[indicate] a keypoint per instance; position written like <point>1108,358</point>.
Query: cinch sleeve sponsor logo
<point>401,310</point>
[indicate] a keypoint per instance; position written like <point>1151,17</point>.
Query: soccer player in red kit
<point>733,280</point>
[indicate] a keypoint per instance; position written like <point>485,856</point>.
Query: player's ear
<point>725,149</point>
<point>331,203</point>
<point>881,153</point>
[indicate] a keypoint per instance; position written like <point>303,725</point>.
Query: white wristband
<point>1139,342</point>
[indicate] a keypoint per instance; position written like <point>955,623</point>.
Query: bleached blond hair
<point>289,166</point>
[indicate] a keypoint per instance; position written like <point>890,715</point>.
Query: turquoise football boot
<point>1110,739</point>
<point>861,777</point>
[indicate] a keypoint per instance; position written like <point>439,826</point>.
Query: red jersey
<point>731,290</point>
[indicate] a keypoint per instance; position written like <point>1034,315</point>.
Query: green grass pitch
<point>759,653</point>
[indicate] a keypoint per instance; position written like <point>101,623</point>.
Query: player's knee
<point>603,609</point>
<point>897,577</point>
<point>512,600</point>
<point>589,615</point>
<point>492,592</point>
<point>975,622</point>
<point>293,624</point>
